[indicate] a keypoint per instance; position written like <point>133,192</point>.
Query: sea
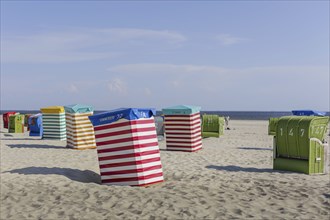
<point>233,115</point>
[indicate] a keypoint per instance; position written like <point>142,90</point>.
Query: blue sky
<point>220,55</point>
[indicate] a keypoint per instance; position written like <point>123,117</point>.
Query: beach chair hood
<point>126,113</point>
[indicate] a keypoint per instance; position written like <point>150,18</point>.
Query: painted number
<point>302,131</point>
<point>315,130</point>
<point>291,132</point>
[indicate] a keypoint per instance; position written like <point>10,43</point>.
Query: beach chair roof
<point>121,113</point>
<point>36,115</point>
<point>17,116</point>
<point>78,108</point>
<point>9,113</point>
<point>52,109</point>
<point>181,110</point>
<point>308,113</point>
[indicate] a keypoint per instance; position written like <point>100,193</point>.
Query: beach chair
<point>53,123</point>
<point>272,123</point>
<point>299,144</point>
<point>16,124</point>
<point>35,125</point>
<point>222,124</point>
<point>26,121</point>
<point>79,129</point>
<point>308,113</point>
<point>5,118</point>
<point>212,126</point>
<point>127,147</point>
<point>183,128</point>
<point>159,123</point>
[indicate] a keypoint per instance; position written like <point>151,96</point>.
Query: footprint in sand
<point>238,211</point>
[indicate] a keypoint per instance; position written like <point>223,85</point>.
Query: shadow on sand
<point>84,176</point>
<point>20,139</point>
<point>245,169</point>
<point>254,148</point>
<point>8,135</point>
<point>36,146</point>
<point>326,195</point>
<point>170,150</point>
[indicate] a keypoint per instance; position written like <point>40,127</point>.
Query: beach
<point>230,178</point>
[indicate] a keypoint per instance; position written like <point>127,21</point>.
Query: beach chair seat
<point>299,144</point>
<point>212,126</point>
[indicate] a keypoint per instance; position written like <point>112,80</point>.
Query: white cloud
<point>236,88</point>
<point>212,87</point>
<point>156,68</point>
<point>73,88</point>
<point>124,34</point>
<point>117,85</point>
<point>176,83</point>
<point>209,70</point>
<point>227,39</point>
<point>147,92</point>
<point>50,48</point>
<point>82,44</point>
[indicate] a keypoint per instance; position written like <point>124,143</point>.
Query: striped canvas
<point>54,126</point>
<point>183,132</point>
<point>128,152</point>
<point>79,131</point>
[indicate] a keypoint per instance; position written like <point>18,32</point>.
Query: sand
<point>230,178</point>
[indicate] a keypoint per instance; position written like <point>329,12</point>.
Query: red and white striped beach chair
<point>183,128</point>
<point>127,147</point>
